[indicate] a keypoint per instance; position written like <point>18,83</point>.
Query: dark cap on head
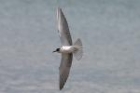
<point>57,50</point>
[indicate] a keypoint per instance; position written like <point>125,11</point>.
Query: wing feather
<point>64,69</point>
<point>63,28</point>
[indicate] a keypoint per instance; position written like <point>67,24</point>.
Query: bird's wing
<point>64,69</point>
<point>63,28</point>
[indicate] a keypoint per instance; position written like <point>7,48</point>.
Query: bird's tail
<point>79,52</point>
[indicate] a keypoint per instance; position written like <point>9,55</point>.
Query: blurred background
<point>110,33</point>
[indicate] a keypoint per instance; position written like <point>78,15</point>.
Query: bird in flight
<point>68,49</point>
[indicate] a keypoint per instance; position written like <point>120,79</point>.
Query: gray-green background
<point>109,30</point>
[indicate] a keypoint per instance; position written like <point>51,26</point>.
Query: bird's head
<point>57,50</point>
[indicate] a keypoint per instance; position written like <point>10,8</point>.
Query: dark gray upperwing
<point>63,28</point>
<point>64,69</point>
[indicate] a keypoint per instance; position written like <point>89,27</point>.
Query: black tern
<point>68,49</point>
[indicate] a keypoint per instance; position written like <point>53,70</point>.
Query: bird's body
<point>67,49</point>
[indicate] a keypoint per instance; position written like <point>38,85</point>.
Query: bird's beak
<point>53,51</point>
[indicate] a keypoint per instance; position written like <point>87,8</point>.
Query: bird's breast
<point>67,49</point>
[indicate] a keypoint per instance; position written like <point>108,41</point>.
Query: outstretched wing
<point>63,28</point>
<point>64,69</point>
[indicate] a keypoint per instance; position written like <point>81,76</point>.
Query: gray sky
<point>109,31</point>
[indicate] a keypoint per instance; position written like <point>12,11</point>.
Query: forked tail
<point>79,52</point>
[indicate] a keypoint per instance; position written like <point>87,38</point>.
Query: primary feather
<point>63,28</point>
<point>64,69</point>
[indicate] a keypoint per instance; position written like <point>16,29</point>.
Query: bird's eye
<point>57,49</point>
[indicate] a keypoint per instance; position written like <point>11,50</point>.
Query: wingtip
<point>59,9</point>
<point>61,86</point>
<point>61,83</point>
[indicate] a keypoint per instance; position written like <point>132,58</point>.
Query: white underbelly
<point>68,49</point>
